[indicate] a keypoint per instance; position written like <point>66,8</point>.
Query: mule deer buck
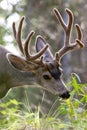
<point>42,68</point>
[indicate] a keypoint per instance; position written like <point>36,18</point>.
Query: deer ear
<point>40,43</point>
<point>19,63</point>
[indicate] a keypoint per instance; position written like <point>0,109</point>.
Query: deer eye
<point>46,77</point>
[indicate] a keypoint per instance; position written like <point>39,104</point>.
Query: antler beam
<point>25,50</point>
<point>68,28</point>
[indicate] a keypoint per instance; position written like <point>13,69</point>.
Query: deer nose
<point>65,95</point>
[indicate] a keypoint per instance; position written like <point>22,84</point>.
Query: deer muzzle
<point>64,93</point>
<point>61,89</point>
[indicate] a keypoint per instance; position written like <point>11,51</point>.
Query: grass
<point>71,114</point>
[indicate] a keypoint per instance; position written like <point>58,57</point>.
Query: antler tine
<point>17,35</point>
<point>79,33</point>
<point>79,36</point>
<point>14,29</point>
<point>67,28</point>
<point>40,53</point>
<point>59,18</point>
<point>26,45</point>
<point>27,53</point>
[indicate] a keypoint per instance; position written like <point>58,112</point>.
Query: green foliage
<point>71,114</point>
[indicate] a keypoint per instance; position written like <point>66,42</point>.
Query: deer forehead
<point>54,69</point>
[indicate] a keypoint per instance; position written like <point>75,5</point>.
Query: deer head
<point>45,66</point>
